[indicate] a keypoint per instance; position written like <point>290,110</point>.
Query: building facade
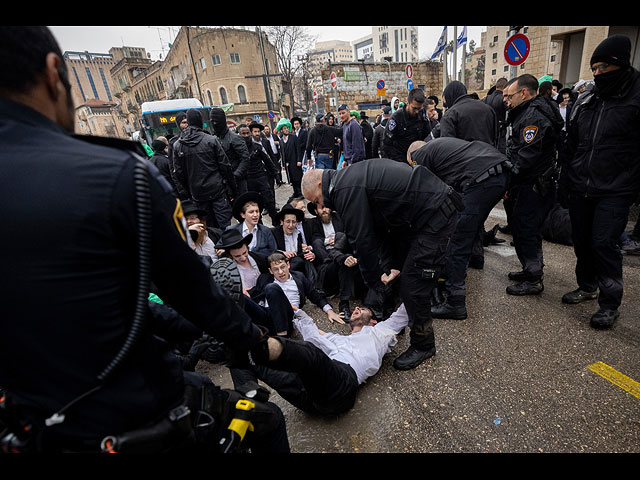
<point>234,69</point>
<point>391,43</point>
<point>562,52</point>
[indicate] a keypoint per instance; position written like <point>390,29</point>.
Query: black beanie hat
<point>194,119</point>
<point>179,117</point>
<point>158,145</point>
<point>615,50</point>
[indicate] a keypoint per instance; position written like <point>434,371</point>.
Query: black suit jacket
<point>306,289</point>
<point>278,234</point>
<point>317,231</point>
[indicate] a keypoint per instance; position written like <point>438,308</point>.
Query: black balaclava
<point>615,50</point>
<point>179,117</point>
<point>453,92</point>
<point>218,120</point>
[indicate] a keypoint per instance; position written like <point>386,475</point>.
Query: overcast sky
<point>155,39</point>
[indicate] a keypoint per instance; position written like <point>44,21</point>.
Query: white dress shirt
<point>249,275</point>
<point>363,350</point>
<point>245,232</point>
<point>291,242</point>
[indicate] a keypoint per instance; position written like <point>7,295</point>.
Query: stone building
<point>235,69</point>
<point>357,84</point>
<point>137,79</point>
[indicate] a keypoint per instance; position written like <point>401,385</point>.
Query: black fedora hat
<point>255,124</point>
<point>189,206</point>
<point>232,238</point>
<point>242,199</point>
<point>311,208</point>
<point>292,210</point>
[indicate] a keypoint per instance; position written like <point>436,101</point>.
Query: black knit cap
<point>179,117</point>
<point>615,50</point>
<point>194,119</point>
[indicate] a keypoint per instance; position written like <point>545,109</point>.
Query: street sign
<point>380,85</point>
<point>256,117</point>
<point>315,97</point>
<point>271,114</point>
<point>334,79</point>
<point>408,70</point>
<point>409,84</point>
<point>517,49</point>
<point>382,92</point>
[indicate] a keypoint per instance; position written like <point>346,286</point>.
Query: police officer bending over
<point>69,286</point>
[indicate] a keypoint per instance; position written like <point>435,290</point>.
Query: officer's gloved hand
<point>258,354</point>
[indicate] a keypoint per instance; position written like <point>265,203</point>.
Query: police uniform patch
<point>178,219</point>
<point>529,133</point>
<point>392,124</point>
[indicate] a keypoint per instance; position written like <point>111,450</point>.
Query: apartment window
<point>93,85</point>
<point>493,72</point>
<point>242,94</point>
<point>210,99</point>
<point>215,59</point>
<point>553,58</point>
<point>235,57</point>
<point>494,56</point>
<point>506,68</point>
<point>495,39</point>
<point>106,85</point>
<point>202,64</point>
<point>223,96</point>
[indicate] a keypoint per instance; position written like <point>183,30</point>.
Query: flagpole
<point>455,53</point>
<point>444,60</point>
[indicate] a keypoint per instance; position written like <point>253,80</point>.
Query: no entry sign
<point>334,79</point>
<point>517,49</point>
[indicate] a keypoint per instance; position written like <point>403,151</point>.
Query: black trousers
<point>219,212</point>
<point>425,259</point>
<point>278,316</point>
<point>262,184</point>
<point>597,223</point>
<point>307,378</point>
<point>478,201</point>
<point>530,209</point>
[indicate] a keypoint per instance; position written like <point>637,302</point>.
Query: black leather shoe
<point>412,358</point>
<point>526,288</point>
<point>604,318</point>
<point>444,310</point>
<point>578,296</point>
<point>344,308</point>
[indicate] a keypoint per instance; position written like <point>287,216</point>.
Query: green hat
<point>282,123</point>
<point>545,78</point>
<point>354,113</point>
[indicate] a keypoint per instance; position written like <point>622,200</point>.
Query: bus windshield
<point>159,118</point>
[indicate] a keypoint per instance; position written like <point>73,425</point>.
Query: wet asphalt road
<point>513,377</point>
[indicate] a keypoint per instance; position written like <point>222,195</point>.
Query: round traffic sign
<point>408,70</point>
<point>271,114</point>
<point>517,49</point>
<point>334,79</point>
<point>409,84</point>
<point>380,84</point>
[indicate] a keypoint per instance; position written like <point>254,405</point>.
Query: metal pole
<point>455,53</point>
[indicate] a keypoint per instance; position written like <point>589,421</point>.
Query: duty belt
<point>495,170</point>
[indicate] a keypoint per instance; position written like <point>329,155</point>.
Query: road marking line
<point>617,378</point>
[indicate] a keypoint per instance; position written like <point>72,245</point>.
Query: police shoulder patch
<point>392,124</point>
<point>529,133</point>
<point>179,220</point>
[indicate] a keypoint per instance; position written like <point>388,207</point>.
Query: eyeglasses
<point>600,68</point>
<point>509,97</point>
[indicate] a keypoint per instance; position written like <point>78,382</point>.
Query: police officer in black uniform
<point>479,172</point>
<point>531,148</point>
<point>406,125</point>
<point>92,226</point>
<point>398,219</point>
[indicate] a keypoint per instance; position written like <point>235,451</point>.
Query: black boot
<point>526,287</point>
<point>413,357</point>
<point>604,318</point>
<point>578,296</point>
<point>445,310</point>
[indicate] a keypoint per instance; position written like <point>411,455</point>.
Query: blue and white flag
<point>441,44</point>
<point>462,38</point>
